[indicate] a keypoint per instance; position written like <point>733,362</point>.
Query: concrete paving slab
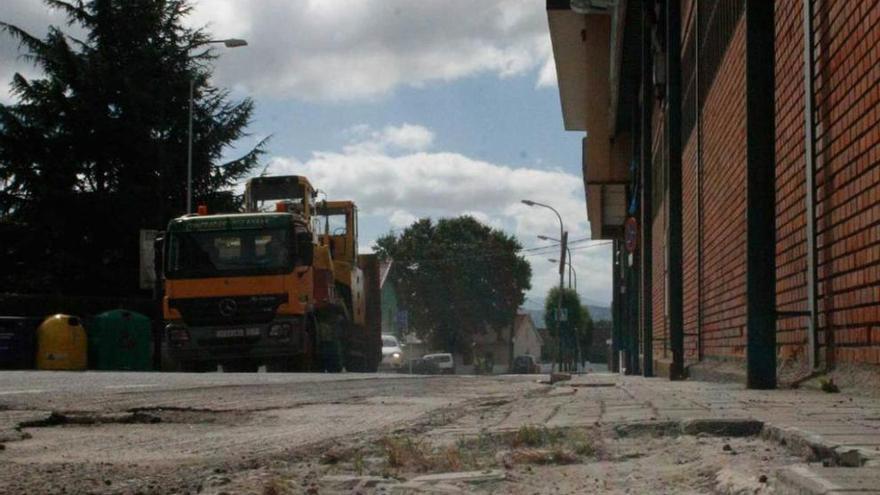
<point>461,477</point>
<point>813,480</point>
<point>868,439</point>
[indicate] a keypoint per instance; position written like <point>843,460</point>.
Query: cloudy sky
<point>411,109</point>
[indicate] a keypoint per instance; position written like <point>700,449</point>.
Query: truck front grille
<point>232,310</point>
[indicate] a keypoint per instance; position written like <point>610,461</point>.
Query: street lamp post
<point>570,265</point>
<point>229,43</point>
<point>570,271</point>
<point>561,280</point>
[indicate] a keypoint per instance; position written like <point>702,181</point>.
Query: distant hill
<point>596,312</point>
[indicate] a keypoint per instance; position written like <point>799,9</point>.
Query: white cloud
<point>34,17</point>
<point>401,219</point>
<point>547,76</point>
<point>445,184</point>
<point>343,50</point>
<point>402,188</point>
<point>353,49</point>
<point>406,137</point>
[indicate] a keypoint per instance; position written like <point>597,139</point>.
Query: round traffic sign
<point>631,234</point>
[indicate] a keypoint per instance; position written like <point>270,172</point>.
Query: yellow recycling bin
<point>62,344</point>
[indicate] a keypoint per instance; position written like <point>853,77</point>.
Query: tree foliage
<point>576,329</point>
<point>96,147</point>
<point>456,278</point>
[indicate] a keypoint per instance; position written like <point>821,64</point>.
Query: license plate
<point>227,333</point>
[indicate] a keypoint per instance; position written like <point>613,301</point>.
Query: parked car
<point>421,366</point>
<point>444,361</point>
<point>392,353</point>
<point>526,364</point>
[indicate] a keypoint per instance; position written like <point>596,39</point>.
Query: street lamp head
<point>551,260</point>
<point>234,43</point>
<point>544,238</point>
<point>528,202</point>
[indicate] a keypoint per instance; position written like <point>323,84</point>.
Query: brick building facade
<point>747,144</point>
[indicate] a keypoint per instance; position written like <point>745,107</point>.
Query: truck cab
<point>238,288</point>
<point>265,287</point>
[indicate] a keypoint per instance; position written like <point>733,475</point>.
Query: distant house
<point>392,323</point>
<point>495,344</point>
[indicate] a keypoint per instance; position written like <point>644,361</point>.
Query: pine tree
<point>95,149</point>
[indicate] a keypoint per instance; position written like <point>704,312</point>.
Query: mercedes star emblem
<point>227,307</point>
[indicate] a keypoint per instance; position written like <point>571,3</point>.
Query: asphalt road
<point>213,433</point>
<point>71,427</point>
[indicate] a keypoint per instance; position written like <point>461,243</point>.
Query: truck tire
<point>240,366</point>
<point>196,366</point>
<point>373,354</point>
<point>331,356</point>
<point>330,349</point>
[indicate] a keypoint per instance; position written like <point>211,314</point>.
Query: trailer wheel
<point>330,356</point>
<point>240,366</point>
<point>196,366</point>
<point>329,344</point>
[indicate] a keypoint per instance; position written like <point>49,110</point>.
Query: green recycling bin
<point>120,340</point>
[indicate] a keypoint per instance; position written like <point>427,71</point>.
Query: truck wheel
<point>244,366</point>
<point>355,364</point>
<point>373,355</point>
<point>329,344</point>
<point>196,366</point>
<point>330,357</point>
<point>280,365</point>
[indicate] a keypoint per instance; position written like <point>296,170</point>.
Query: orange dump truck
<point>264,288</point>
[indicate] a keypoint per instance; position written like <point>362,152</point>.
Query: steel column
<point>674,201</point>
<point>647,217</point>
<point>810,198</point>
<point>615,308</point>
<point>761,194</point>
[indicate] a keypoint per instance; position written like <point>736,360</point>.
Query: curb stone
<point>810,480</point>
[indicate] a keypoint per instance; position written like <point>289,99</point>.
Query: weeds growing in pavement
<point>527,445</point>
<point>536,436</point>
<point>358,464</point>
<point>404,451</point>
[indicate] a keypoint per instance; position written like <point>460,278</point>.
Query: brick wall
<point>690,233</point>
<point>658,246</point>
<point>723,185</point>
<point>791,248</point>
<point>847,86</point>
<point>848,177</point>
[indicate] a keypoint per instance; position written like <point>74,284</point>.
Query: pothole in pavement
<point>139,416</point>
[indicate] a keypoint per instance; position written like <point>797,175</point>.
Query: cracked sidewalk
<point>838,433</point>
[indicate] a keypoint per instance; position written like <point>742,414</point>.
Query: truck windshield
<point>228,253</point>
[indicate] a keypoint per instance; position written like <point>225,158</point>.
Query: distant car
<point>525,364</point>
<point>444,361</point>
<point>420,366</point>
<point>392,353</point>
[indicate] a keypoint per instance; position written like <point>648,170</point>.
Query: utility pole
<point>562,253</point>
<point>563,236</point>
<point>229,43</point>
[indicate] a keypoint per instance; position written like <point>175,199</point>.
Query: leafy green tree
<point>585,334</point>
<point>575,329</point>
<point>96,147</point>
<point>457,278</point>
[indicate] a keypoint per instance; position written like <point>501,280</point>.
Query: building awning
<point>582,49</point>
<point>580,42</point>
